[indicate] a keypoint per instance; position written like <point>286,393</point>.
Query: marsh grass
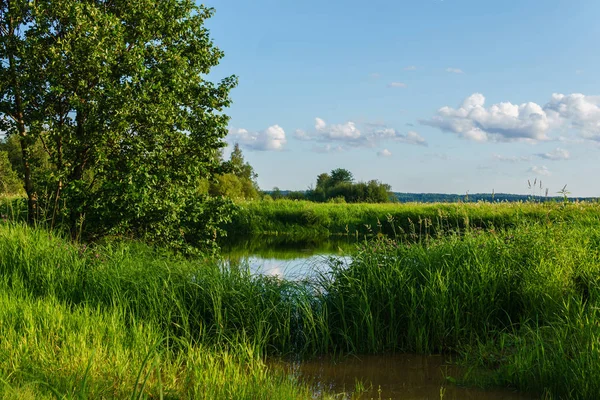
<point>520,305</point>
<point>124,320</point>
<point>127,321</point>
<point>49,350</point>
<point>307,220</point>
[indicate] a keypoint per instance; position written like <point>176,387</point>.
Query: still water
<point>403,376</point>
<point>366,377</point>
<point>295,260</point>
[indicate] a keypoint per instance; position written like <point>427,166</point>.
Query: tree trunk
<point>19,116</point>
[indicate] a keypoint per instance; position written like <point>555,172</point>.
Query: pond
<point>402,376</point>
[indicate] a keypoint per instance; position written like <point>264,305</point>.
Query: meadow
<point>516,302</point>
<point>303,220</point>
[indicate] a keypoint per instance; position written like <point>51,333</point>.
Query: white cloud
<point>412,137</point>
<point>357,135</point>
<point>543,170</point>
<point>320,124</point>
<point>410,68</point>
<point>499,122</point>
<point>455,70</point>
<point>375,75</point>
<point>337,131</point>
<point>583,112</point>
<point>271,139</point>
<point>525,122</point>
<point>557,154</point>
<point>397,85</point>
<point>374,136</point>
<point>384,153</point>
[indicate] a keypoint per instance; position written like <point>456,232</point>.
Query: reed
<point>124,320</point>
<point>518,302</point>
<point>307,220</point>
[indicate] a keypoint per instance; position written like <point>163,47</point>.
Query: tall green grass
<point>50,350</point>
<point>521,304</point>
<point>194,299</point>
<point>518,302</point>
<point>304,219</point>
<point>436,295</point>
<point>128,321</point>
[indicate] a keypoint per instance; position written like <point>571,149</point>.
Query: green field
<point>307,220</point>
<point>518,304</point>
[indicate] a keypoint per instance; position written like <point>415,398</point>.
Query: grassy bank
<point>304,219</point>
<point>126,321</point>
<point>518,303</point>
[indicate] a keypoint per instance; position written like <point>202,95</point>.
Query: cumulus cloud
<point>384,153</point>
<point>500,122</point>
<point>397,85</point>
<point>346,131</point>
<point>410,68</point>
<point>525,122</point>
<point>555,155</point>
<point>580,111</point>
<point>543,170</point>
<point>455,70</point>
<point>352,134</point>
<point>271,139</point>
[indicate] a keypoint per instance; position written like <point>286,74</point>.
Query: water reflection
<point>279,256</point>
<point>402,376</point>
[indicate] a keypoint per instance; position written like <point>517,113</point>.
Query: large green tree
<point>116,93</point>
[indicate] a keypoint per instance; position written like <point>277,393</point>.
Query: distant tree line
<point>339,186</point>
<point>476,197</point>
<point>440,197</point>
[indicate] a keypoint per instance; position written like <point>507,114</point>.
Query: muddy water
<point>407,377</point>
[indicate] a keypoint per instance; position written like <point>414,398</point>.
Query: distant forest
<point>445,198</point>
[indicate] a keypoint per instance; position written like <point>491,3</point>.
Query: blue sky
<point>426,95</point>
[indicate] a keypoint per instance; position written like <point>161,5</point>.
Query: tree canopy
<point>240,183</point>
<point>340,175</point>
<point>116,95</point>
